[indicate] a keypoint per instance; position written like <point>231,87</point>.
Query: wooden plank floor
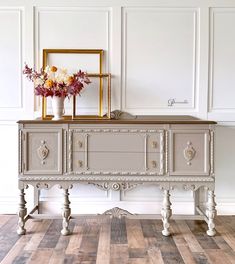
<point>103,240</point>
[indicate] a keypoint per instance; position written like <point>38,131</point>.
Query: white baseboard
<point>9,205</point>
<point>225,206</point>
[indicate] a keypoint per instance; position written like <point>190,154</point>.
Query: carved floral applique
<point>189,153</point>
<point>43,151</point>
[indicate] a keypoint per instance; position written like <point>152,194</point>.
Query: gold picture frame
<point>100,115</point>
<point>98,52</point>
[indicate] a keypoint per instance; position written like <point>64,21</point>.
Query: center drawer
<point>117,151</point>
<point>116,142</point>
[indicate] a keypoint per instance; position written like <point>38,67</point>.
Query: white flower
<point>38,81</point>
<point>64,71</point>
<point>47,69</point>
<point>61,76</point>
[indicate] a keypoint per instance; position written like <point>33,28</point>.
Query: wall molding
<point>19,11</point>
<point>218,113</point>
<point>195,81</point>
<point>38,10</point>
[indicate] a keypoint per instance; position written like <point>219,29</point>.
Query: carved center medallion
<point>43,151</point>
<point>189,153</point>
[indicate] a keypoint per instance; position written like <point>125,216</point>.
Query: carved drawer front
<point>107,150</point>
<point>189,153</point>
<point>116,162</point>
<point>120,142</point>
<point>42,151</point>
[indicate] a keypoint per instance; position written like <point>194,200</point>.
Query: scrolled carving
<point>113,130</point>
<point>128,186</point>
<point>91,178</point>
<point>116,186</point>
<point>42,185</point>
<point>43,151</point>
<point>117,114</point>
<point>65,186</point>
<point>189,187</point>
<point>117,212</point>
<point>123,186</point>
<point>189,153</point>
<point>104,186</point>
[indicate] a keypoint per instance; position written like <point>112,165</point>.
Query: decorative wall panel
<point>159,59</point>
<point>222,61</point>
<point>11,58</point>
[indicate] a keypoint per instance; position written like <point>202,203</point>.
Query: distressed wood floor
<point>118,241</point>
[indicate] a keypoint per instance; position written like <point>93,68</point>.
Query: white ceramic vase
<point>58,107</point>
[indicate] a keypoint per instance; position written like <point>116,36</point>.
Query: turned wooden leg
<point>211,212</point>
<point>66,213</point>
<point>166,213</point>
<point>22,213</point>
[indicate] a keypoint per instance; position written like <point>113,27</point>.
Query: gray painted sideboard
<point>167,151</point>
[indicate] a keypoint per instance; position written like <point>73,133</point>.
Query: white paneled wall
<point>158,52</point>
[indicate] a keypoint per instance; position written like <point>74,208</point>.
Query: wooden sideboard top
<point>127,119</point>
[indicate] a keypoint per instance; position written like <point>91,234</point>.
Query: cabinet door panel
<point>43,151</point>
<point>189,153</point>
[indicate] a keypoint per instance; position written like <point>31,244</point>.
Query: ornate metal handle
<point>80,163</point>
<point>154,144</point>
<point>154,164</point>
<point>80,144</point>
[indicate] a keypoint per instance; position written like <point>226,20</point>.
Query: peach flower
<point>53,69</point>
<point>48,83</point>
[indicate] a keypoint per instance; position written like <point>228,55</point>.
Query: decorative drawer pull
<point>154,144</point>
<point>80,144</point>
<point>154,164</point>
<point>80,163</point>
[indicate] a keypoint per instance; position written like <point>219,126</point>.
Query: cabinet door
<point>42,151</point>
<point>189,152</point>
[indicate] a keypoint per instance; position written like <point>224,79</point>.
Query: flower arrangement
<point>54,81</point>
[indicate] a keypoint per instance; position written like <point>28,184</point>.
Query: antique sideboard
<point>167,151</point>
